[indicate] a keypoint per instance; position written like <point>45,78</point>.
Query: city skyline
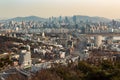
<point>47,8</point>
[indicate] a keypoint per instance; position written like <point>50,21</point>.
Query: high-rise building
<point>25,57</point>
<point>43,35</point>
<point>98,40</point>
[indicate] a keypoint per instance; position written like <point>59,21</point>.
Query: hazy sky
<point>48,8</point>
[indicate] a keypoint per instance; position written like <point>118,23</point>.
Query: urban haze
<point>59,40</point>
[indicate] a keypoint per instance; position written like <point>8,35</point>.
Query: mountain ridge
<point>80,17</point>
<point>27,18</point>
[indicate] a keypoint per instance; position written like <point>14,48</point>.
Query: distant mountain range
<point>28,18</point>
<point>93,19</point>
<point>80,17</point>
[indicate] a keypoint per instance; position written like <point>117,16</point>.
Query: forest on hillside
<point>82,71</point>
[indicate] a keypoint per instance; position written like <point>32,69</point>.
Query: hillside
<point>28,18</point>
<point>83,71</point>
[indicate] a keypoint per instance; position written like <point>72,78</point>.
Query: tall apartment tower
<point>25,57</point>
<point>98,40</point>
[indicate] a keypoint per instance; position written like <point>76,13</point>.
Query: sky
<point>47,8</point>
